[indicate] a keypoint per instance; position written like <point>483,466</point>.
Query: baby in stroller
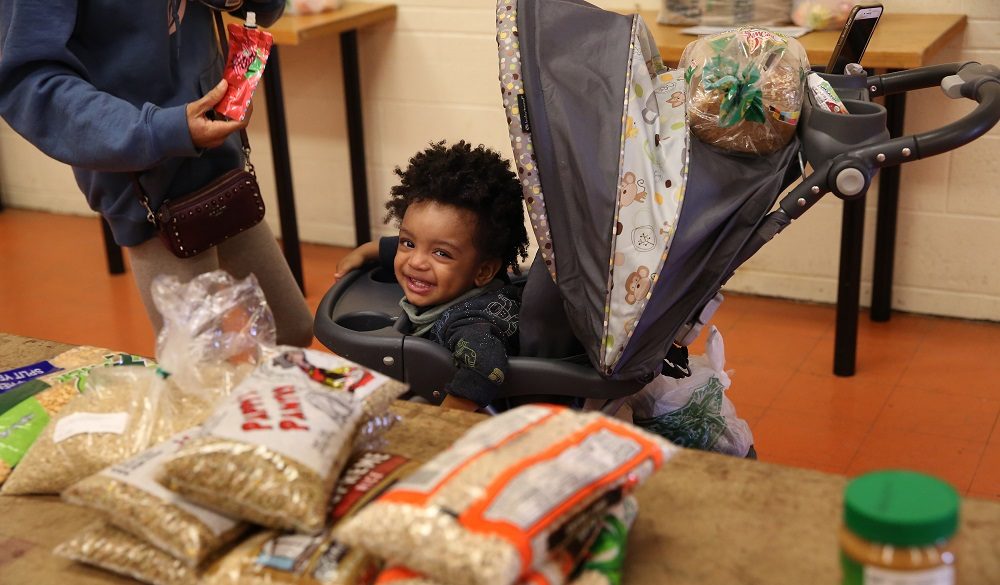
<point>461,227</point>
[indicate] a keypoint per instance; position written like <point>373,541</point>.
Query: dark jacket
<point>480,332</point>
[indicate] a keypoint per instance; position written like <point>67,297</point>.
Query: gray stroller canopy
<point>637,222</point>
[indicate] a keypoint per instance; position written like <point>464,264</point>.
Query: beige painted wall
<point>432,75</point>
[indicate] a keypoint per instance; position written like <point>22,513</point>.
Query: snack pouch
<point>131,499</point>
<point>273,450</point>
<point>492,508</point>
<point>26,408</point>
<point>275,558</point>
<point>745,89</point>
<point>249,48</point>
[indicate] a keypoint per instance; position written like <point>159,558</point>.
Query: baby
<point>461,227</point>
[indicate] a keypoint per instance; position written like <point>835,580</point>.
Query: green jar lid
<point>901,508</point>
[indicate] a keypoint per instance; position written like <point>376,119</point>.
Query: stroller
<point>606,299</point>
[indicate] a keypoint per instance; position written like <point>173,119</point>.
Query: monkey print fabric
<point>650,193</point>
<point>272,451</point>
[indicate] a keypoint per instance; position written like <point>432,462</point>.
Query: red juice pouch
<point>248,51</point>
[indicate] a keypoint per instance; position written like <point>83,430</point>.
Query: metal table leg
<point>116,263</point>
<point>355,133</point>
<point>282,166</point>
<point>852,233</point>
<point>885,227</point>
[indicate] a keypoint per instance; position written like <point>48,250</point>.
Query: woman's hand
<point>208,133</point>
<point>355,259</point>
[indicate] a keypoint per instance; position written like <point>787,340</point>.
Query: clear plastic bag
<point>113,420</point>
<point>111,549</point>
<point>275,558</point>
<point>131,499</point>
<point>695,412</point>
<point>745,89</point>
<point>821,14</point>
<point>273,450</point>
<point>212,325</point>
<point>598,563</point>
<point>484,512</point>
<point>27,408</point>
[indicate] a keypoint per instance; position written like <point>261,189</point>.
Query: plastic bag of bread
<point>104,546</point>
<point>26,408</point>
<point>493,507</point>
<point>745,89</point>
<point>273,450</point>
<point>131,499</point>
<point>275,558</point>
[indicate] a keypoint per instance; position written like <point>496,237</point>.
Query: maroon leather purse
<point>230,204</point>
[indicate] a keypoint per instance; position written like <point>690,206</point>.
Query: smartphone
<point>853,41</point>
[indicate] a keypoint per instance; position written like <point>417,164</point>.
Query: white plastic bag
<point>695,412</point>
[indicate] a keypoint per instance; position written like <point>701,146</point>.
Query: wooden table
<point>703,518</point>
<point>296,30</point>
<point>901,41</point>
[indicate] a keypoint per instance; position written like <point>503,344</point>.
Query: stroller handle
<point>969,80</point>
<point>849,174</point>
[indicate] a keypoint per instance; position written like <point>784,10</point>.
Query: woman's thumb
<point>213,96</point>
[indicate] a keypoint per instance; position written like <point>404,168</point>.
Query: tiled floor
<point>926,395</point>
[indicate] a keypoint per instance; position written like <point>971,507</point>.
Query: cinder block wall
<point>432,74</point>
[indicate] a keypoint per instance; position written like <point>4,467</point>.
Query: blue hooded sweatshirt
<point>103,85</point>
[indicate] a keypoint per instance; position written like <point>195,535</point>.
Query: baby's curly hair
<point>477,179</point>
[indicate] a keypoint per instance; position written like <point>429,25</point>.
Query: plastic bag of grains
<point>113,420</point>
<point>133,501</point>
<point>26,408</point>
<point>111,549</point>
<point>275,558</point>
<point>595,559</point>
<point>273,450</point>
<point>491,508</point>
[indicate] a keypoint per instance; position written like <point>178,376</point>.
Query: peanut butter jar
<point>898,529</point>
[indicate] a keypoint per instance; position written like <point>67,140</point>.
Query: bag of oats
<point>25,409</point>
<point>491,508</point>
<point>272,451</point>
<point>112,420</point>
<point>106,547</point>
<point>133,501</point>
<point>273,558</point>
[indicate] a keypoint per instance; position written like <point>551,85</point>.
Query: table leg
<point>116,263</point>
<point>355,133</point>
<point>282,166</point>
<point>885,226</point>
<point>852,233</point>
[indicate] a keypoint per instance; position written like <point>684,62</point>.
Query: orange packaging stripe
<point>396,573</point>
<point>474,519</point>
<point>419,498</point>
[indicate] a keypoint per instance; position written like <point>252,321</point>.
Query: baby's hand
<point>355,259</point>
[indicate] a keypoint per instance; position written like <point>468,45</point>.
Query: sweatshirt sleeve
<point>46,97</point>
<point>481,356</point>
